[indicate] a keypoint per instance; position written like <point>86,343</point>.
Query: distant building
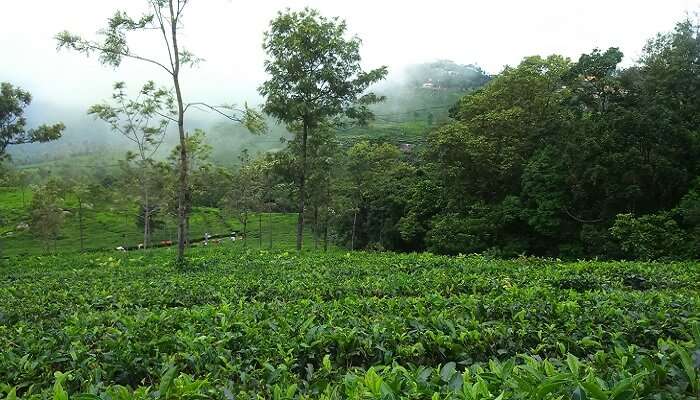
<point>429,84</point>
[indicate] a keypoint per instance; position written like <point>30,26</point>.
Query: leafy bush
<point>649,237</point>
<point>346,325</point>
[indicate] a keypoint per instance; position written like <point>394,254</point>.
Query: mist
<point>228,36</point>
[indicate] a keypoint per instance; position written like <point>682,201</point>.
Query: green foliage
<point>455,233</point>
<point>650,237</point>
<point>371,195</point>
<point>108,223</point>
<point>46,212</point>
<point>258,324</point>
<point>315,71</point>
<point>545,157</point>
<point>247,191</point>
<point>13,123</point>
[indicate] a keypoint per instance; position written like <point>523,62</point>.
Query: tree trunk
<point>80,222</point>
<point>182,200</point>
<point>325,219</point>
<point>126,229</point>
<point>315,227</point>
<point>302,187</point>
<point>187,230</point>
<point>269,210</point>
<point>245,230</point>
<point>146,214</point>
<point>354,224</point>
<point>325,232</point>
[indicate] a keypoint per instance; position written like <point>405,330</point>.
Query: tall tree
<point>144,121</point>
<point>85,192</point>
<point>200,167</point>
<point>322,167</point>
<point>315,76</point>
<point>13,123</point>
<point>165,20</point>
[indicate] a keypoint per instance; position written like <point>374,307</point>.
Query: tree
<point>373,192</point>
<point>246,196</point>
<point>322,168</point>
<point>86,192</point>
<point>47,213</point>
<point>165,20</point>
<point>650,237</point>
<point>315,76</point>
<point>274,185</point>
<point>81,192</point>
<point>15,177</point>
<point>200,167</point>
<point>13,123</point>
<point>144,121</point>
<point>267,191</point>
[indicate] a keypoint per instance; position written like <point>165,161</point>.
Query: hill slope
<point>417,99</point>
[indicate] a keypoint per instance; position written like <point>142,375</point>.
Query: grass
<point>108,226</point>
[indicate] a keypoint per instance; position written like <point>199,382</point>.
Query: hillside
<point>110,224</point>
<point>417,99</point>
<point>254,324</point>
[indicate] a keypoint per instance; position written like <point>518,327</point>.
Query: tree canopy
<point>315,76</point>
<point>13,122</point>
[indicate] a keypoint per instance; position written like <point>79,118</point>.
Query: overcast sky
<point>228,34</point>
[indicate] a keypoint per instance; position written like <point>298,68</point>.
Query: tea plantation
<point>240,325</point>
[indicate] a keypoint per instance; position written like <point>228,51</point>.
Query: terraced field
<point>107,226</point>
<point>252,324</point>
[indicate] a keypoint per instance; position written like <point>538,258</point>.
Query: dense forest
<point>551,157</point>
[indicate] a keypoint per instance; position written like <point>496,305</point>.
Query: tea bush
<point>251,324</point>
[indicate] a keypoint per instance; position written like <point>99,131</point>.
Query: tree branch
<point>217,110</point>
<point>169,118</point>
<point>159,15</point>
<point>92,46</point>
<point>581,220</point>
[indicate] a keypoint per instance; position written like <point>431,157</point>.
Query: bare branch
<point>217,109</point>
<point>87,47</point>
<point>581,220</point>
<point>169,118</point>
<point>161,24</point>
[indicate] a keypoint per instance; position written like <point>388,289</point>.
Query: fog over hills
<point>228,37</point>
<point>426,87</point>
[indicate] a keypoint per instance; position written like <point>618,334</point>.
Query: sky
<point>228,35</point>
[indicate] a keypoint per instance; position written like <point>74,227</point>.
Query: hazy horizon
<point>229,37</point>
